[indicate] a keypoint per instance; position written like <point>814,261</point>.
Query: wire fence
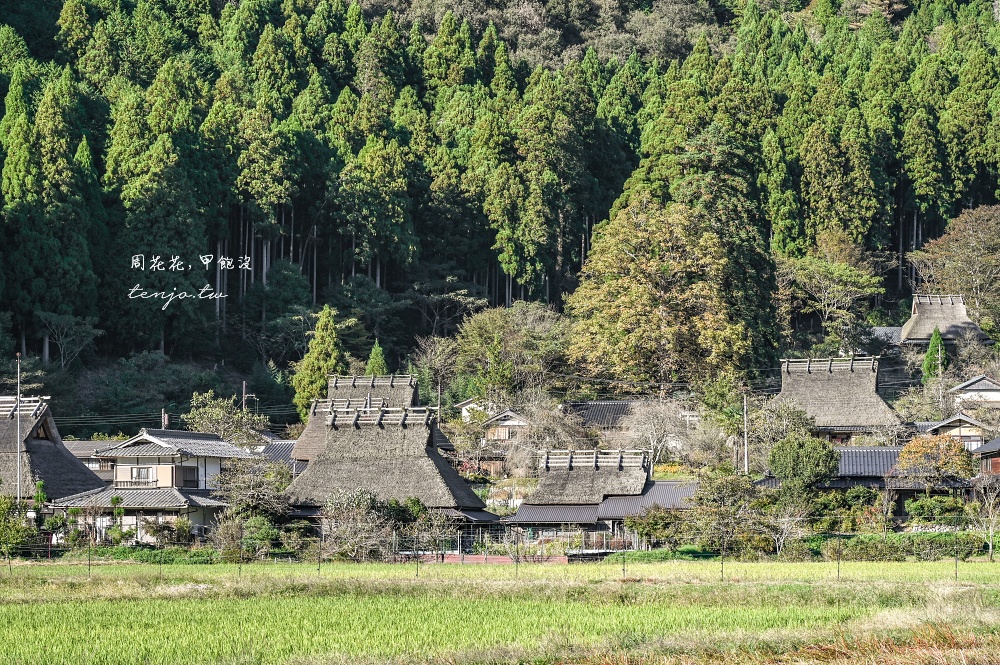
<point>787,540</point>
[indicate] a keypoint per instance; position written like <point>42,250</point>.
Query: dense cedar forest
<point>689,187</point>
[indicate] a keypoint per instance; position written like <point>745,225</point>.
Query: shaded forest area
<point>698,187</point>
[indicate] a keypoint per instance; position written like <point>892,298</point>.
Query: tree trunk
<point>45,349</point>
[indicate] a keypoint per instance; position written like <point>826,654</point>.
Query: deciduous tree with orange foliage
<point>935,460</point>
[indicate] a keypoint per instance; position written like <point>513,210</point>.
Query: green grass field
<point>671,612</point>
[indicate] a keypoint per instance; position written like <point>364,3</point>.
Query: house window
<point>189,477</point>
<point>142,473</point>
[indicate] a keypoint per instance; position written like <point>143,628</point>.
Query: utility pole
<point>940,377</point>
<point>746,435</point>
<point>245,395</point>
<point>20,438</point>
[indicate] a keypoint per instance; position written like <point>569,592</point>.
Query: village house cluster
<point>371,433</point>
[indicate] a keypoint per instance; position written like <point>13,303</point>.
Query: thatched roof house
<point>345,393</point>
<point>395,391</point>
<point>946,313</point>
<point>568,477</point>
<point>391,452</point>
<point>839,394</point>
<point>43,455</point>
<point>596,490</point>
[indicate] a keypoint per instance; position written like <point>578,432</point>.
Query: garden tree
<point>724,511</point>
<point>769,424</point>
<point>965,261</point>
<point>72,334</point>
<point>802,463</point>
<point>254,487</point>
<point>15,528</point>
<point>935,360</point>
<point>223,416</point>
<point>986,521</point>
<point>359,526</point>
<point>659,526</point>
<point>324,357</point>
<point>935,461</point>
<point>549,426</point>
<point>784,522</point>
<point>833,289</point>
<point>660,426</point>
<point>376,362</point>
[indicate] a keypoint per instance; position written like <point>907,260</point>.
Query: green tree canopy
<point>802,463</point>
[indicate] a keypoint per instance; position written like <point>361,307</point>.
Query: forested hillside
<point>698,187</point>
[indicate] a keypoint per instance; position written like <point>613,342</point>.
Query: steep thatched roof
<point>391,453</point>
<point>43,455</point>
<point>352,394</point>
<point>946,313</point>
<point>588,477</point>
<point>368,392</point>
<point>838,393</point>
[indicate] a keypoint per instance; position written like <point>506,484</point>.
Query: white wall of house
<point>978,398</point>
<point>168,472</point>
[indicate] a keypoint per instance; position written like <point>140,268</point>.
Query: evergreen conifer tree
<point>324,357</point>
<point>936,358</point>
<point>376,362</point>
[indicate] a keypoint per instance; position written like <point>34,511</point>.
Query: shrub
<point>797,550</point>
<point>864,548</point>
<point>259,533</point>
<point>945,510</point>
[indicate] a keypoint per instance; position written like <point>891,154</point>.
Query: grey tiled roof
<point>981,382</point>
<point>160,498</point>
<point>668,494</point>
<point>174,443</point>
<point>531,514</point>
<point>875,461</point>
<point>279,451</point>
<point>888,333</point>
<point>989,447</point>
<point>469,515</point>
<point>604,414</point>
<point>85,448</point>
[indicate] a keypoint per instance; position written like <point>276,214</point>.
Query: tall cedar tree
<point>324,357</point>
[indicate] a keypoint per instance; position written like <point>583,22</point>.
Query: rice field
<point>670,612</point>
